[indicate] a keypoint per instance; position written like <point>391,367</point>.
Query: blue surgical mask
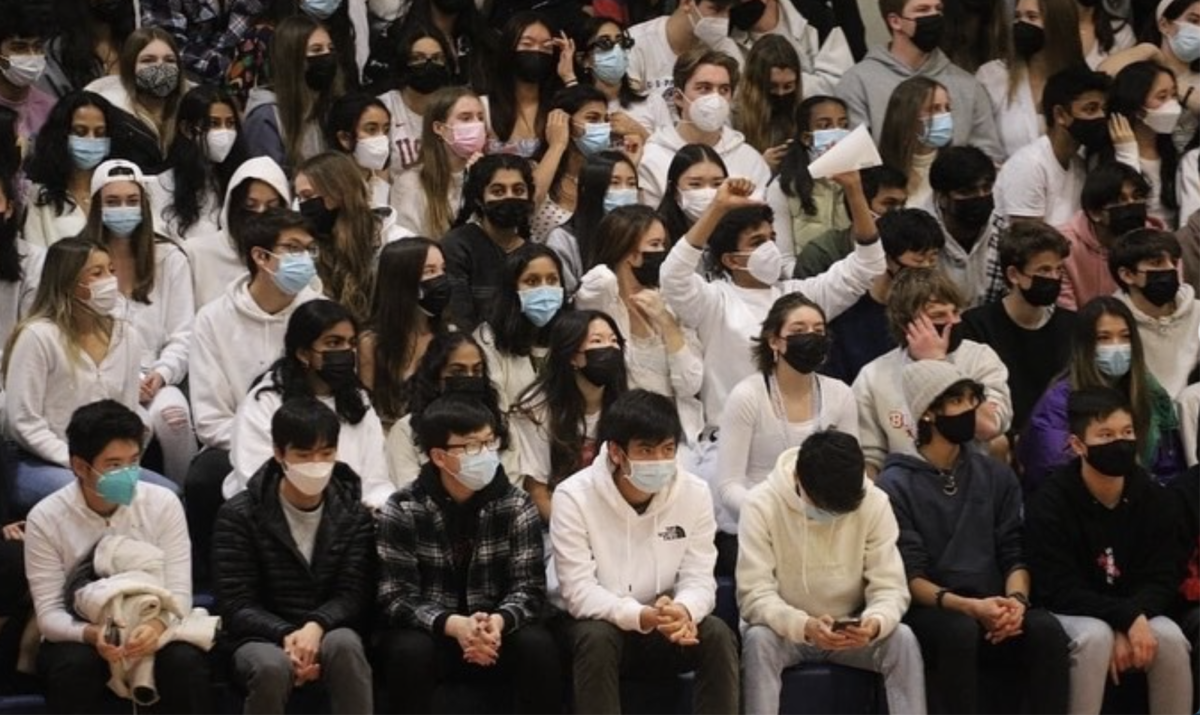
<point>823,139</point>
<point>939,130</point>
<point>610,65</point>
<point>597,136</point>
<point>88,152</point>
<point>653,476</point>
<point>1114,360</point>
<point>121,220</point>
<point>118,486</point>
<point>320,9</point>
<point>616,198</point>
<point>476,471</point>
<point>541,304</point>
<point>1185,43</point>
<point>296,271</point>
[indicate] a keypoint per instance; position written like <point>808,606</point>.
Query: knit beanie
<point>925,381</point>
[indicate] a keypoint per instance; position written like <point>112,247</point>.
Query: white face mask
<point>709,112</point>
<point>765,263</point>
<point>24,70</point>
<point>103,295</point>
<point>309,478</point>
<point>372,153</point>
<point>1164,119</point>
<point>219,143</point>
<point>694,202</point>
<point>709,30</point>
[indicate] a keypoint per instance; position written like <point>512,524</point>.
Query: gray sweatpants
<point>266,673</point>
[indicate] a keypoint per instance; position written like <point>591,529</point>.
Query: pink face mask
<point>468,138</point>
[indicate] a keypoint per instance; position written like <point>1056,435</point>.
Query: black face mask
<point>745,15</point>
<point>956,337</point>
<point>427,77</point>
<point>1161,286</point>
<point>452,7</point>
<point>604,366</point>
<point>339,369</point>
<point>973,212</point>
<point>470,385</point>
<point>533,66</point>
<point>321,216</point>
<point>434,295</point>
<point>1115,459</point>
<point>928,32</point>
<point>806,351</point>
<point>1125,218</point>
<point>957,429</point>
<point>1042,291</point>
<point>1091,133</point>
<point>508,213</point>
<point>647,273</point>
<point>319,71</point>
<point>1028,39</point>
<point>781,103</point>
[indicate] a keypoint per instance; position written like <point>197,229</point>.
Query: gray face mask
<point>158,80</point>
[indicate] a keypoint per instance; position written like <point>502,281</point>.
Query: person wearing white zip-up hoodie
<point>820,577</point>
<point>632,536</point>
<point>705,81</point>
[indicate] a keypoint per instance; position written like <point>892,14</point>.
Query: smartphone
<point>843,623</point>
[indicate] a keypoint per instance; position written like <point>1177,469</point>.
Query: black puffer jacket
<point>265,589</point>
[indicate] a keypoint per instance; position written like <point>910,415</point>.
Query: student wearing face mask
<point>959,513</point>
<point>22,63</point>
<point>1104,558</point>
<point>694,26</point>
<point>918,125</point>
<point>606,55</point>
<point>73,349</point>
<point>1113,203</point>
<point>425,65</point>
<point>297,614</point>
<point>358,127</point>
<point>1145,264</point>
<point>320,360</point>
<point>202,158</point>
<point>20,264</point>
<point>916,28</point>
<point>1103,33</point>
<point>462,574</point>
<point>1173,41</point>
<point>767,98</point>
<point>775,410</point>
<point>824,54</point>
<point>962,179</point>
<point>705,81</point>
<point>693,177</point>
<point>1106,351</point>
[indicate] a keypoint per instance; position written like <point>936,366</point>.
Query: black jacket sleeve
<point>238,580</point>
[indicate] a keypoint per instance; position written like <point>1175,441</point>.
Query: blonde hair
<point>754,109</point>
<point>435,173</point>
<point>137,41</point>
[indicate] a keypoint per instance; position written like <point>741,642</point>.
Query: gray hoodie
<point>867,86</point>
<point>263,132</point>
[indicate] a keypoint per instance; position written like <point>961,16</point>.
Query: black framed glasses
<point>607,43</point>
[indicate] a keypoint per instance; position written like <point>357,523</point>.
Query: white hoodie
<point>791,568</point>
<point>164,324</point>
<point>612,561</point>
<point>1172,343</point>
<point>741,160</point>
<point>233,342</point>
<point>216,262</point>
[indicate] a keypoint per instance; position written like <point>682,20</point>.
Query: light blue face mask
<point>1114,360</point>
<point>939,130</point>
<point>609,65</point>
<point>476,471</point>
<point>88,152</point>
<point>121,220</point>
<point>541,304</point>
<point>1185,43</point>
<point>118,486</point>
<point>320,9</point>
<point>597,136</point>
<point>653,476</point>
<point>616,198</point>
<point>296,270</point>
<point>823,139</point>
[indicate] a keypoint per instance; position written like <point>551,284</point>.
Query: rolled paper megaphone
<point>852,153</point>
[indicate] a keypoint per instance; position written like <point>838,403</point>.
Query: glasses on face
<point>604,44</point>
<point>472,449</point>
<point>292,249</point>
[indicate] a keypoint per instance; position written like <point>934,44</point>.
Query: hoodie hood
<point>668,138</point>
<point>910,464</point>
<point>245,305</point>
<point>783,481</point>
<point>606,486</point>
<point>259,97</point>
<point>262,168</point>
<point>1185,302</point>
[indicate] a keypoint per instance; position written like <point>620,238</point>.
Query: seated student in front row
<point>293,560</point>
<point>463,580</point>
<point>817,512</point>
<point>105,442</point>
<point>1103,557</point>
<point>634,553</point>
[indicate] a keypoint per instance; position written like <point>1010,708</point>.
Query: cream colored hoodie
<point>791,568</point>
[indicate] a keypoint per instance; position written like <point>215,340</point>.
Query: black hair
<point>1127,96</point>
<point>264,231</point>
<point>480,175</point>
<point>725,236</point>
<point>194,172</point>
<point>627,96</point>
<point>344,115</point>
<point>880,177</point>
<point>1023,240</point>
<point>25,18</point>
<point>595,177</point>
<point>965,387</point>
<point>1143,244</point>
<point>1065,86</point>
<point>676,222</point>
<point>961,168</point>
<point>425,384</point>
<point>909,229</point>
<point>1093,404</point>
<point>502,95</point>
<point>51,164</point>
<point>570,100</point>
<point>830,468</point>
<point>448,415</point>
<point>642,415</point>
<point>304,423</point>
<point>764,355</point>
<point>94,426</point>
<point>513,333</point>
<point>10,257</point>
<point>387,67</point>
<point>1150,32</point>
<point>475,43</point>
<point>80,22</point>
<point>1103,185</point>
<point>794,179</point>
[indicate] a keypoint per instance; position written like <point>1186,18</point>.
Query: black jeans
<point>955,652</point>
<point>415,663</point>
<point>202,499</point>
<point>76,677</point>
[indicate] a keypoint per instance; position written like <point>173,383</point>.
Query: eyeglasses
<point>472,449</point>
<point>292,249</point>
<point>607,43</point>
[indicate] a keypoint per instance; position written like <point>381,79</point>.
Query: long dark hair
<point>425,385</point>
<point>674,219</point>
<point>556,391</point>
<point>515,334</point>
<point>289,375</point>
<point>1127,96</point>
<point>627,96</point>
<point>475,43</point>
<point>195,173</point>
<point>77,42</point>
<point>480,175</point>
<point>594,180</point>
<point>395,314</point>
<point>502,95</point>
<point>794,179</point>
<point>10,257</point>
<point>51,164</point>
<point>571,100</point>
